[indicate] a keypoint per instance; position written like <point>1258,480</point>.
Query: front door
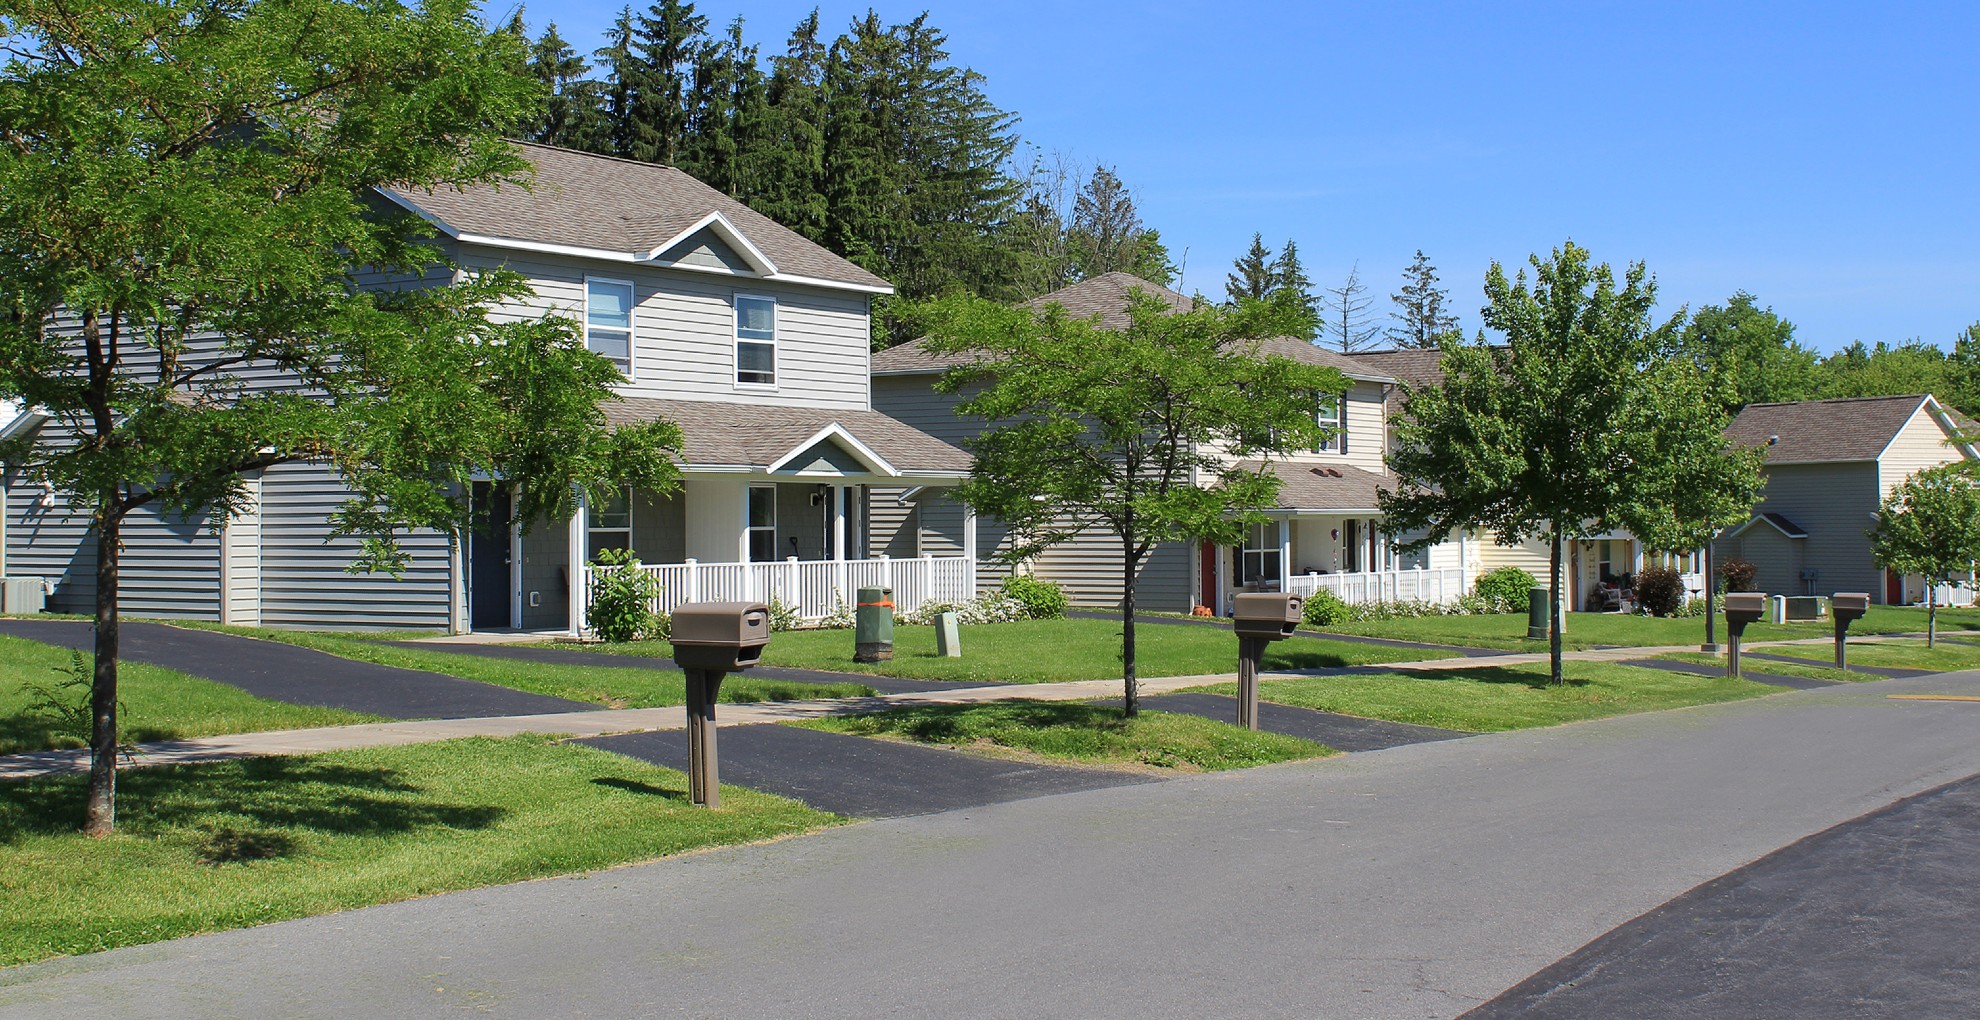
<point>488,558</point>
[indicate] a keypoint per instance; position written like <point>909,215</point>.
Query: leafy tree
<point>1420,316</point>
<point>572,115</point>
<point>1108,236</point>
<point>1289,278</point>
<point>1962,386</point>
<point>1930,525</point>
<point>1884,370</point>
<point>1253,277</point>
<point>1090,427</point>
<point>171,229</point>
<point>1347,314</point>
<point>1588,418</point>
<point>1753,350</point>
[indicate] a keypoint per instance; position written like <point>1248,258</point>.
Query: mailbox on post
<point>1258,619</point>
<point>1846,608</point>
<point>1742,608</point>
<point>712,640</point>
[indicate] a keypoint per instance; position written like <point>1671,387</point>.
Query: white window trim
<point>590,529</point>
<point>750,529</point>
<point>1336,443</point>
<point>1270,550</point>
<point>736,341</point>
<point>632,319</point>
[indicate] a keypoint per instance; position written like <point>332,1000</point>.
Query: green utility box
<point>1539,608</point>
<point>873,625</point>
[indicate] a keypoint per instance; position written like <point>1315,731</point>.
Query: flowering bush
<point>989,607</point>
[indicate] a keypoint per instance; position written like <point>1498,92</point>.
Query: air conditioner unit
<point>22,595</point>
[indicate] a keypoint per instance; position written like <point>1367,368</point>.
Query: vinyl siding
<point>1366,432</point>
<point>684,330</point>
<point>546,550</point>
<point>1919,445</point>
<point>1833,504</point>
<point>305,576</point>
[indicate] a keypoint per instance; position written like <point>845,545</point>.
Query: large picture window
<point>1259,560</point>
<point>756,340</point>
<point>608,323</point>
<point>762,523</point>
<point>1331,415</point>
<point>609,524</point>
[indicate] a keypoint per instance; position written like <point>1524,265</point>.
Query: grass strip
<point>1493,698</point>
<point>158,704</point>
<point>202,848</point>
<point>1752,665</point>
<point>1080,733</point>
<point>614,687</point>
<point>1587,630</point>
<point>1050,651</point>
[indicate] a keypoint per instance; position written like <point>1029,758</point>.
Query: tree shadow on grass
<point>954,723</point>
<point>246,808</point>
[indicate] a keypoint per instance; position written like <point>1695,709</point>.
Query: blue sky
<point>1821,156</point>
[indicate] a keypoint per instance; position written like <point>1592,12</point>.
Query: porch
<point>1345,554</point>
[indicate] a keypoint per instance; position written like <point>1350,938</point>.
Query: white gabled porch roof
<point>798,442</point>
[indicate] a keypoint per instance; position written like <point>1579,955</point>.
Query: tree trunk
<point>100,817</point>
<point>1131,700</point>
<point>1931,614</point>
<point>1554,620</point>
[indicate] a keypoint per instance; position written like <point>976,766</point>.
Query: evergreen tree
<point>625,77</point>
<point>571,116</point>
<point>1107,234</point>
<point>1420,316</point>
<point>666,43</point>
<point>1289,278</point>
<point>787,169</point>
<point>1347,315</point>
<point>1254,275</point>
<point>727,114</point>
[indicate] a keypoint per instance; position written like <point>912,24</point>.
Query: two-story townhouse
<point>1323,534</point>
<point>754,340</point>
<point>1829,466</point>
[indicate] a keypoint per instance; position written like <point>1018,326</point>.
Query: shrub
<point>1325,609</point>
<point>1738,574</point>
<point>841,617</point>
<point>1660,590</point>
<point>1695,606</point>
<point>1506,589</point>
<point>621,598</point>
<point>1042,600</point>
<point>782,617</point>
<point>989,607</point>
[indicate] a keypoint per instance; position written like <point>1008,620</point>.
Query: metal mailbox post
<point>1742,608</point>
<point>1845,608</point>
<point>712,640</point>
<point>1257,620</point>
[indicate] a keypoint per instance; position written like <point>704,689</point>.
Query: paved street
<point>1420,881</point>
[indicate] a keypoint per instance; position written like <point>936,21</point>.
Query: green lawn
<point>1043,651</point>
<point>1905,653</point>
<point>207,847</point>
<point>1082,733</point>
<point>628,687</point>
<point>1585,630</point>
<point>158,704</point>
<point>1490,698</point>
<point>1751,665</point>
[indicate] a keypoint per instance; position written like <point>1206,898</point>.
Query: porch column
<point>457,618</point>
<point>969,532</point>
<point>515,559</point>
<point>839,523</point>
<point>575,559</point>
<point>1285,553</point>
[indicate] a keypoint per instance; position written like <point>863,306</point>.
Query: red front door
<point>1208,566</point>
<point>1893,588</point>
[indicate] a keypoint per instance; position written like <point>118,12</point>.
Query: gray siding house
<point>1324,534</point>
<point>1829,464</point>
<point>753,339</point>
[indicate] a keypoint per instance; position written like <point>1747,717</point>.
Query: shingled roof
<point>754,436</point>
<point>622,209</point>
<point>1339,487</point>
<point>1418,367</point>
<point>1822,431</point>
<point>1106,296</point>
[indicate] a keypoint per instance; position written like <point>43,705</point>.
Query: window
<point>1331,417</point>
<point>608,328</point>
<point>756,341</point>
<point>609,524</point>
<point>1259,560</point>
<point>762,523</point>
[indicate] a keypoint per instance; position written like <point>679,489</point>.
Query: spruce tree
<point>666,42</point>
<point>1253,278</point>
<point>1347,315</point>
<point>1420,317</point>
<point>787,169</point>
<point>571,116</point>
<point>625,78</point>
<point>1107,234</point>
<point>1289,277</point>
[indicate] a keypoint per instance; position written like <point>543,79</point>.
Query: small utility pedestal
<point>712,640</point>
<point>1742,608</point>
<point>1845,608</point>
<point>1259,620</point>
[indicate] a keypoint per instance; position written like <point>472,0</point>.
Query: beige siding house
<point>1829,464</point>
<point>750,337</point>
<point>1324,534</point>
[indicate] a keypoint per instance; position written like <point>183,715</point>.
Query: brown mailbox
<point>1744,607</point>
<point>1845,608</point>
<point>1267,616</point>
<point>725,636</point>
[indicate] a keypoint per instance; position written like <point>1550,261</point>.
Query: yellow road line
<point>1933,697</point>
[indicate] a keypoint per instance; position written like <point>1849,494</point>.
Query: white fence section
<point>1439,586</point>
<point>813,588</point>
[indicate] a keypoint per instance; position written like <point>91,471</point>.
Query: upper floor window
<point>608,324</point>
<point>756,340</point>
<point>1331,414</point>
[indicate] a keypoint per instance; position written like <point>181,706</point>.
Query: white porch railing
<point>1439,586</point>
<point>813,588</point>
